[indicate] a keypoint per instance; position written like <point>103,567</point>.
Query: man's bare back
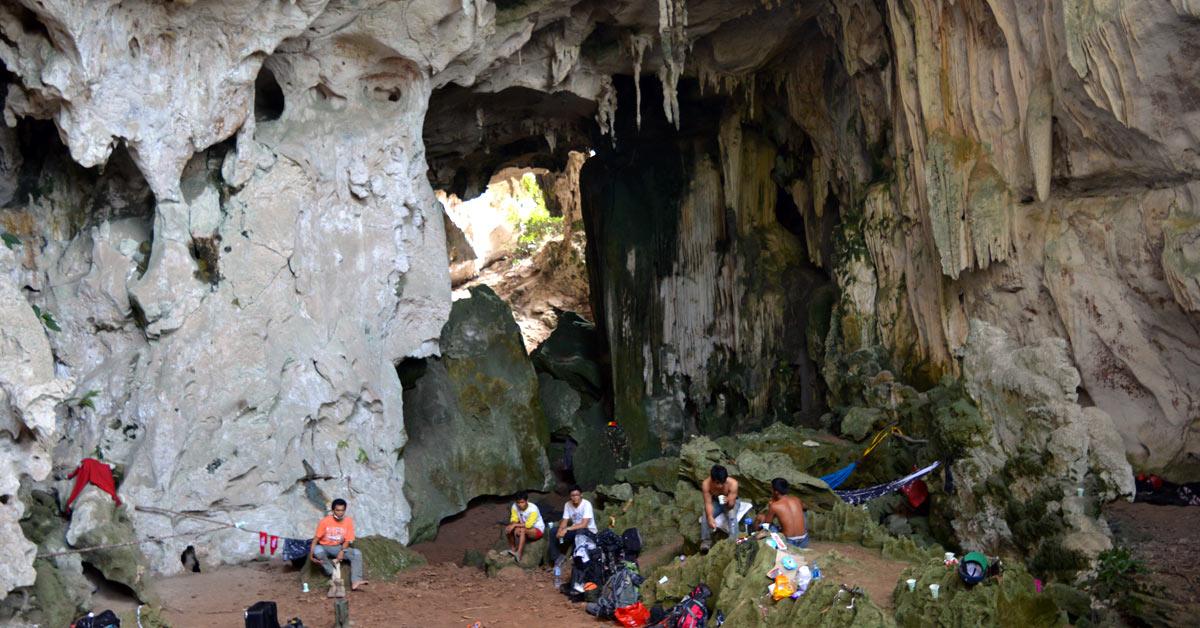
<point>790,512</point>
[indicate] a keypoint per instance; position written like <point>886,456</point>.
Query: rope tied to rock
<point>220,525</point>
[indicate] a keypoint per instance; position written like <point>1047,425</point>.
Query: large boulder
<point>570,386</point>
<point>474,421</point>
<point>97,521</point>
<point>1018,484</point>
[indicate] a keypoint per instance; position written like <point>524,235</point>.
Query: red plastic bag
<point>633,616</point>
<point>916,492</point>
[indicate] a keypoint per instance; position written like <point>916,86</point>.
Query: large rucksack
<point>612,552</point>
<point>620,590</point>
<point>690,612</point>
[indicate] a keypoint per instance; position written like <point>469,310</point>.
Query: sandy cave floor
<point>441,593</point>
<point>444,593</point>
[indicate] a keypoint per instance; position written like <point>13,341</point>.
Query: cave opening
<point>268,96</point>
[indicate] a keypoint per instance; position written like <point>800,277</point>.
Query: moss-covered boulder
<point>473,417</point>
<point>739,584</point>
<point>1008,600</point>
<point>572,354</point>
<point>97,521</point>
<point>661,474</point>
<point>383,558</point>
<point>570,388</point>
<point>532,557</point>
<point>60,592</point>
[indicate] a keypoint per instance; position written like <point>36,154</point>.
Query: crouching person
<point>524,525</point>
<point>335,533</point>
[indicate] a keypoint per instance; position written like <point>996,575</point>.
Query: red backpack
<point>690,612</point>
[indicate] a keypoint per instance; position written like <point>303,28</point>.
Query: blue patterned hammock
<point>863,495</point>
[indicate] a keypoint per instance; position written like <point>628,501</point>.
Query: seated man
<point>577,516</point>
<point>720,495</point>
<point>788,510</point>
<point>335,533</point>
<point>524,523</point>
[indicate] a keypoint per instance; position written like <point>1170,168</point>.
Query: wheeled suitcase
<point>262,615</point>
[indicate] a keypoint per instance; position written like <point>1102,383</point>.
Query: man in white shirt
<point>577,516</point>
<point>524,524</point>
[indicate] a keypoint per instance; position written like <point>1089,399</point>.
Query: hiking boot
<point>705,545</point>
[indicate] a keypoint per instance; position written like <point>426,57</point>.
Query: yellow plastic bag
<point>783,587</point>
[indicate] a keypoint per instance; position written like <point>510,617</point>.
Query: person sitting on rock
<point>788,510</point>
<point>335,533</point>
<point>720,495</point>
<point>524,524</point>
<point>577,516</point>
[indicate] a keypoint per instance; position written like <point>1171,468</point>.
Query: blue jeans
<point>731,523</point>
<point>795,541</point>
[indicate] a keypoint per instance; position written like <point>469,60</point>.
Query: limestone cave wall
<point>227,209</point>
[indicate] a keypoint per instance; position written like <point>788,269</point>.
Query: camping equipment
<point>106,619</point>
<point>632,616</point>
<point>262,615</point>
<point>836,478</point>
<point>863,495</point>
<point>690,612</point>
<point>633,543</point>
<point>973,568</point>
<point>620,590</point>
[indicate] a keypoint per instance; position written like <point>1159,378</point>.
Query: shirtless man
<point>720,495</point>
<point>788,510</point>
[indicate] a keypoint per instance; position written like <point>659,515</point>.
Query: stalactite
<point>606,109</point>
<point>672,31</point>
<point>636,47</point>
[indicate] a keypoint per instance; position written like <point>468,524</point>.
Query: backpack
<point>107,619</point>
<point>633,542</point>
<point>612,552</point>
<point>620,590</point>
<point>690,612</point>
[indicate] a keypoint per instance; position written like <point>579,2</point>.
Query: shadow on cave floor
<point>479,527</point>
<point>1164,539</point>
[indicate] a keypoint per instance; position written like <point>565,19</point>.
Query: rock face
<point>239,240</point>
<point>1018,486</point>
<point>473,417</point>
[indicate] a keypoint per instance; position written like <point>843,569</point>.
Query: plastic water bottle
<point>557,576</point>
<point>816,571</point>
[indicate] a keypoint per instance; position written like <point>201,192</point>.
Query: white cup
<point>933,590</point>
<point>1079,492</point>
<point>721,499</point>
<point>912,584</point>
<point>949,556</point>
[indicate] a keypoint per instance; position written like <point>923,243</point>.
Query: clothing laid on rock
<point>294,549</point>
<point>96,473</point>
<point>531,517</point>
<point>863,495</point>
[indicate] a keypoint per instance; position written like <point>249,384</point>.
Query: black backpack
<point>620,590</point>
<point>612,552</point>
<point>633,543</point>
<point>107,619</point>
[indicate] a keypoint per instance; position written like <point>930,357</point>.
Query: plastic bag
<point>783,587</point>
<point>633,616</point>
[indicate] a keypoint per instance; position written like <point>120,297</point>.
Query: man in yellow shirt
<point>332,542</point>
<point>524,524</point>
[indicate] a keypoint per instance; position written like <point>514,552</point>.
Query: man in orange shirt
<point>334,534</point>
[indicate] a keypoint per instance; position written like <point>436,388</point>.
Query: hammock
<point>863,495</point>
<point>837,478</point>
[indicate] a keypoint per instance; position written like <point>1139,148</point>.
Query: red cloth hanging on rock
<point>96,473</point>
